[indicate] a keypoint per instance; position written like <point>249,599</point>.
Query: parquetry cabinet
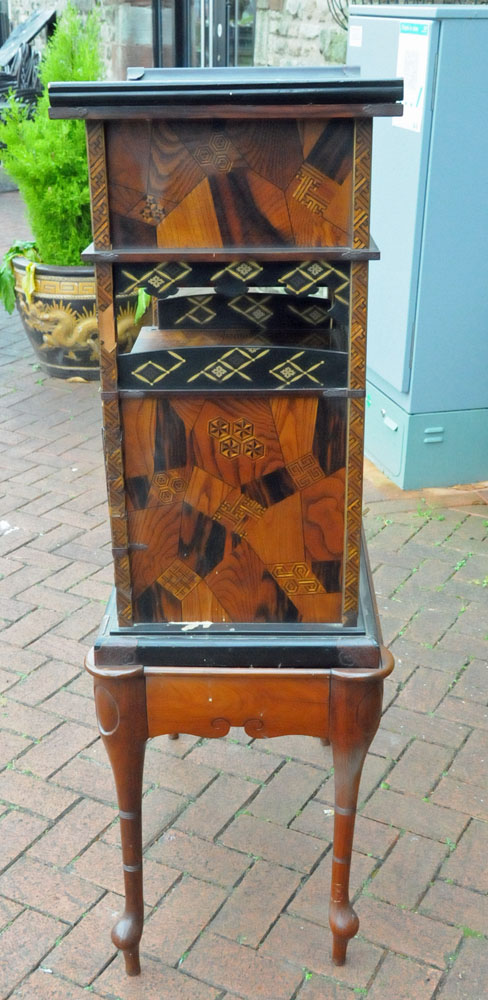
<point>233,426</point>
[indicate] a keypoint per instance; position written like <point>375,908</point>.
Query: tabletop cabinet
<point>233,426</point>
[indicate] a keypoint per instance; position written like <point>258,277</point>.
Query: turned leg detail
<point>355,710</point>
<point>121,714</point>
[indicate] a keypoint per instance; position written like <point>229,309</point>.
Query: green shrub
<point>47,158</point>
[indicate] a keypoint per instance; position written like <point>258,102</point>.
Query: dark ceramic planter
<point>61,320</point>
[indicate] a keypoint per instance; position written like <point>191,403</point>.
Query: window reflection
<point>204,32</point>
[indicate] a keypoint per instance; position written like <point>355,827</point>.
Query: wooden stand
<point>340,705</point>
<point>233,428</point>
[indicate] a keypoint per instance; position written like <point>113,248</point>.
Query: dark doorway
<point>203,32</point>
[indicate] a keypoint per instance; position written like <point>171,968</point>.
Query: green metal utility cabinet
<point>427,412</point>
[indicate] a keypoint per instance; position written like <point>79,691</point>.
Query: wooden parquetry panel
<point>235,507</point>
<point>230,183</point>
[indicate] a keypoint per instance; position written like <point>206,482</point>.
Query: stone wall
<point>288,32</point>
<point>297,33</point>
<point>125,30</point>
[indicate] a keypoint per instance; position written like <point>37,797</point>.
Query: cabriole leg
<point>355,715</point>
<point>121,714</point>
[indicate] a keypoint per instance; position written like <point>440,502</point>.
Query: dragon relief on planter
<point>61,326</point>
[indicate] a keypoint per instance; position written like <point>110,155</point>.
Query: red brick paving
<point>237,831</point>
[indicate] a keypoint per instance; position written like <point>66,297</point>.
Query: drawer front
<point>223,183</point>
<point>235,507</point>
<point>264,705</point>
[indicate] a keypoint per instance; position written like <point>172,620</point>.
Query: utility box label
<point>412,58</point>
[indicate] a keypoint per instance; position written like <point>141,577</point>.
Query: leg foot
<point>121,711</point>
<point>355,713</point>
<point>339,948</point>
<point>126,935</point>
<point>132,963</point>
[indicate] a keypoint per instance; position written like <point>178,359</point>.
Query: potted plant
<point>54,292</point>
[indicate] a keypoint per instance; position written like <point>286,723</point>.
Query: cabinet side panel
<point>362,180</point>
<point>227,184</point>
<point>112,440</point>
<point>97,167</point>
<point>354,490</point>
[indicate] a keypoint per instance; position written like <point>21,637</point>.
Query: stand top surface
<point>258,90</point>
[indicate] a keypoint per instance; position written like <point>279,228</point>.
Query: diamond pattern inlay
<point>256,311</point>
<point>237,275</point>
<point>151,372</point>
<point>160,279</point>
<point>305,277</point>
<point>290,371</point>
<point>233,362</point>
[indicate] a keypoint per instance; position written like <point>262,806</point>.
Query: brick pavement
<point>237,832</point>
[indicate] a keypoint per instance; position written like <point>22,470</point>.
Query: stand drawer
<point>264,703</point>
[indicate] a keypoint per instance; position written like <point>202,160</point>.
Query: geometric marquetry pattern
<point>237,368</point>
<point>256,312</point>
<point>123,588</point>
<point>290,371</point>
<point>304,471</point>
<point>236,438</point>
<point>296,578</point>
<point>237,275</point>
<point>298,279</point>
<point>178,579</point>
<point>199,312</point>
<point>230,363</point>
<point>104,289</point>
<point>108,368</point>
<point>304,277</point>
<point>357,350</point>
<point>160,279</point>
<point>106,326</point>
<point>235,514</point>
<point>237,507</point>
<point>307,191</point>
<point>171,486</point>
<point>98,184</point>
<point>114,470</point>
<point>362,181</point>
<point>354,503</point>
<point>151,372</point>
<point>216,152</point>
<point>202,185</point>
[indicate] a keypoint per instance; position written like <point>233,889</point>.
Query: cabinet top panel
<point>157,92</point>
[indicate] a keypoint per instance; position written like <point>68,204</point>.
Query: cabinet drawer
<point>264,703</point>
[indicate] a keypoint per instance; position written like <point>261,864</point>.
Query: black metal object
<point>147,87</point>
<point>182,46</point>
<point>157,32</point>
<point>339,11</point>
<point>19,61</point>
